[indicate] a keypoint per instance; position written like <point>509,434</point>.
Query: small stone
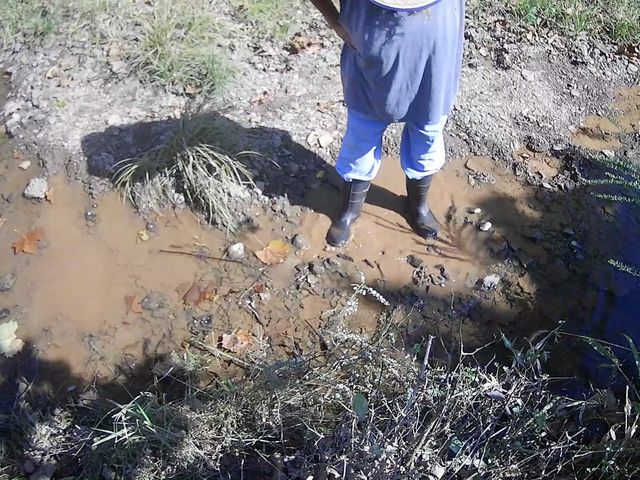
<point>414,261</point>
<point>114,120</point>
<point>236,251</point>
<point>151,226</point>
<point>633,68</point>
<point>474,211</point>
<point>609,153</point>
<point>547,185</point>
<point>37,189</point>
<point>528,75</point>
<point>24,165</point>
<point>490,282</point>
<point>325,140</point>
<point>153,301</point>
<point>486,226</point>
<point>29,466</point>
<point>7,281</point>
<point>444,272</point>
<point>90,216</point>
<point>298,241</point>
<point>4,313</point>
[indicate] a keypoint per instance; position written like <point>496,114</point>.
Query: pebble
<point>474,211</point>
<point>414,261</point>
<point>7,281</point>
<point>486,226</point>
<point>90,216</point>
<point>632,68</point>
<point>29,466</point>
<point>153,301</point>
<point>36,188</point>
<point>24,165</point>
<point>528,75</point>
<point>325,140</point>
<point>151,226</point>
<point>490,282</point>
<point>298,241</point>
<point>236,251</point>
<point>4,313</point>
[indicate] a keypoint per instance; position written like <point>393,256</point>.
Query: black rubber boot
<point>420,217</point>
<point>353,196</point>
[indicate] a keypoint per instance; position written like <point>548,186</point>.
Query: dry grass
<point>188,162</point>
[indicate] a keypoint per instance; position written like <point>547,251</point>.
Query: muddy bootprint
<point>420,217</point>
<point>354,195</point>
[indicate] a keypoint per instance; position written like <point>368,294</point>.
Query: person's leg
<point>357,164</point>
<point>422,154</point>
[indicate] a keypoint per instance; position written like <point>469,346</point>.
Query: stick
<point>198,255</point>
<point>218,353</point>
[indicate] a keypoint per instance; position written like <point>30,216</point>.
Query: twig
<point>425,360</point>
<point>219,353</point>
<point>201,256</point>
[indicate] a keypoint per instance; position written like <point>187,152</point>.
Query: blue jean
<point>422,151</point>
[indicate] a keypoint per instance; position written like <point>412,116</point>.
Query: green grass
<point>32,18</point>
<point>271,17</point>
<point>179,48</point>
<point>619,20</point>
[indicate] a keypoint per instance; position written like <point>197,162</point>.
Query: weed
<point>209,179</point>
<point>32,18</point>
<point>269,16</point>
<point>179,48</point>
<point>617,19</point>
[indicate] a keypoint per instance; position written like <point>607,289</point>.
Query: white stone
<point>24,165</point>
<point>36,188</point>
<point>325,140</point>
<point>490,282</point>
<point>486,226</point>
<point>236,251</point>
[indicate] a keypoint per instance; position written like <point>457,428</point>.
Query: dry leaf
<point>238,341</point>
<point>143,236</point>
<point>274,253</point>
<point>199,293</point>
<point>301,43</point>
<point>48,195</point>
<point>10,344</point>
<point>28,243</point>
<point>192,90</point>
<point>133,304</point>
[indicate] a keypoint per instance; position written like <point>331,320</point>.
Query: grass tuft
<point>31,18</point>
<point>179,48</point>
<point>617,19</point>
<point>189,161</point>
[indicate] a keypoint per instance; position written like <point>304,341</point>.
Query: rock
<point>528,75</point>
<point>474,211</point>
<point>151,226</point>
<point>153,301</point>
<point>537,144</point>
<point>486,226</point>
<point>90,216</point>
<point>7,281</point>
<point>236,251</point>
<point>45,472</point>
<point>325,140</point>
<point>36,189</point>
<point>4,313</point>
<point>633,68</point>
<point>414,261</point>
<point>29,466</point>
<point>298,241</point>
<point>444,272</point>
<point>490,282</point>
<point>24,165</point>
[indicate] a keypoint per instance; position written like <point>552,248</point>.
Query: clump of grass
<point>179,48</point>
<point>617,19</point>
<point>32,18</point>
<point>187,161</point>
<point>274,17</point>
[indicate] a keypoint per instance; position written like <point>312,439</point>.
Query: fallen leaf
<point>274,253</point>
<point>143,236</point>
<point>259,288</point>
<point>301,43</point>
<point>133,304</point>
<point>10,344</point>
<point>28,243</point>
<point>192,90</point>
<point>238,341</point>
<point>48,195</point>
<point>199,293</point>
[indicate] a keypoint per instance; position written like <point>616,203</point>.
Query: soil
<point>519,141</point>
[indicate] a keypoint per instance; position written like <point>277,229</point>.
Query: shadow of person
<point>280,166</point>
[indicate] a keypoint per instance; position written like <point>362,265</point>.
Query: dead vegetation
<point>360,409</point>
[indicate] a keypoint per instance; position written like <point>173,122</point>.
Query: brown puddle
<point>600,133</point>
